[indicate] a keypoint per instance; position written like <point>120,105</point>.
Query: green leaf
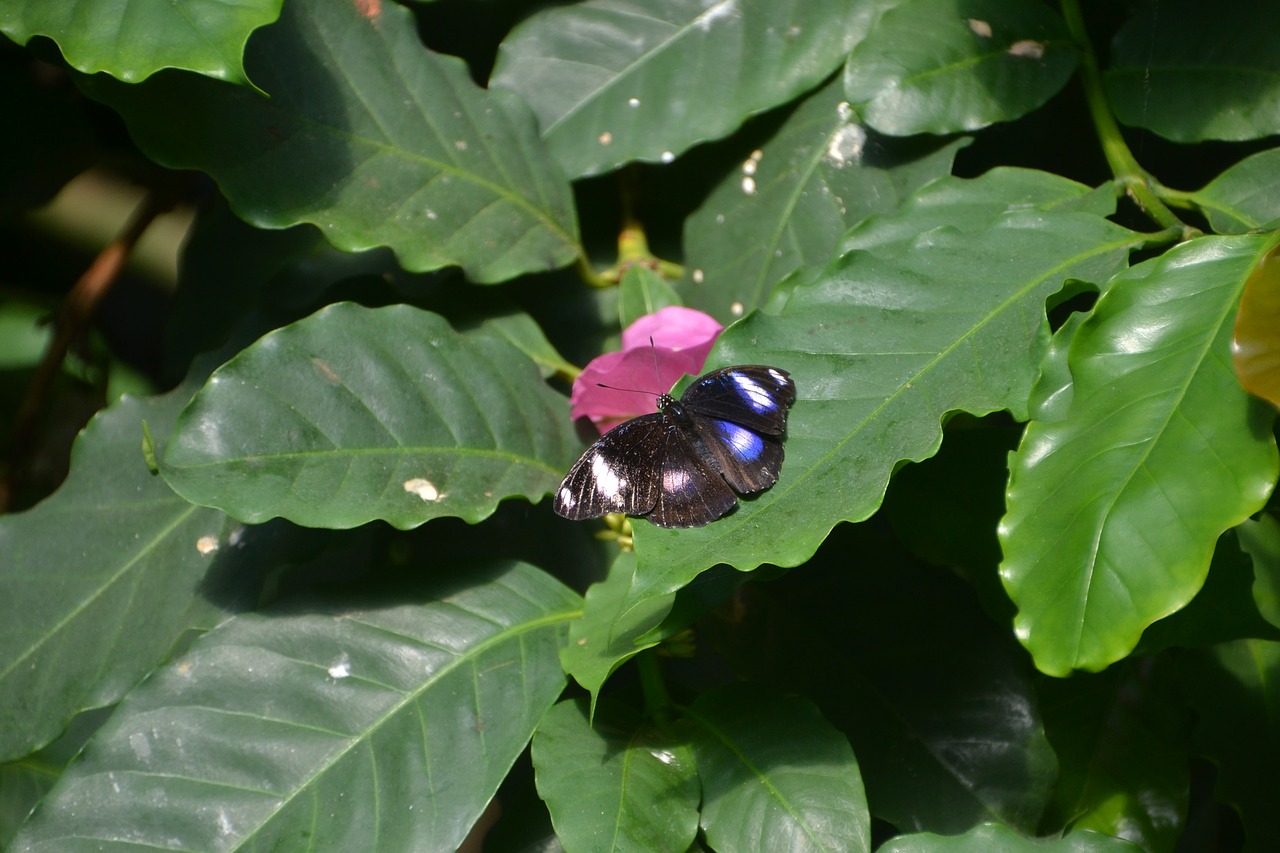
<point>791,199</point>
<point>1191,71</point>
<point>642,291</point>
<point>522,332</point>
<point>101,579</point>
<point>1261,541</point>
<point>368,136</point>
<point>882,349</point>
<point>134,40</point>
<point>1108,527</point>
<point>775,775</point>
<point>942,66</point>
<point>614,783</point>
<point>1121,740</point>
<point>606,636</point>
<point>619,80</point>
<point>989,837</point>
<point>355,414</point>
<point>1235,691</point>
<point>378,724</point>
<point>1244,197</point>
<point>1255,341</point>
<point>25,782</point>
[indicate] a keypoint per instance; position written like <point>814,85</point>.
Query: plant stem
<point>657,702</point>
<point>1129,174</point>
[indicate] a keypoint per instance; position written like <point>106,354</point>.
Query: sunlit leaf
<point>1109,527</point>
<point>355,414</point>
<point>366,724</point>
<point>1245,196</point>
<point>135,39</point>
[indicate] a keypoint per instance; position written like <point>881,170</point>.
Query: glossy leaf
<point>989,837</point>
<point>1121,740</point>
<point>1191,71</point>
<point>619,80</point>
<point>614,783</point>
<point>1244,197</point>
<point>204,36</point>
<point>377,724</point>
<point>775,775</point>
<point>943,66</point>
<point>1235,691</point>
<point>355,414</point>
<point>1108,527</point>
<point>789,201</point>
<point>81,623</point>
<point>1255,344</point>
<point>881,350</point>
<point>371,138</point>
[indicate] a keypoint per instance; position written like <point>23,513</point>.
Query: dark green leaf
<point>992,837</point>
<point>614,783</point>
<point>368,725</point>
<point>943,66</point>
<point>1245,196</point>
<point>368,136</point>
<point>618,80</point>
<point>1093,481</point>
<point>355,414</point>
<point>642,291</point>
<point>1191,71</point>
<point>1261,541</point>
<point>133,39</point>
<point>775,775</point>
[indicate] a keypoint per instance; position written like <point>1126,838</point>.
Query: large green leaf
<point>1244,197</point>
<point>100,580</point>
<point>1109,526</point>
<point>132,39</point>
<point>614,783</point>
<point>365,725</point>
<point>942,66</point>
<point>618,80</point>
<point>1190,70</point>
<point>775,775</point>
<point>1235,690</point>
<point>882,348</point>
<point>356,414</point>
<point>790,201</point>
<point>994,837</point>
<point>370,137</point>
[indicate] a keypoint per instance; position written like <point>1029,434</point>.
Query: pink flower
<point>682,338</point>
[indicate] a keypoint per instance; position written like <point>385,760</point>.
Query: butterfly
<point>680,466</point>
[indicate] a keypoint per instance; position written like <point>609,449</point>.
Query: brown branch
<point>73,322</point>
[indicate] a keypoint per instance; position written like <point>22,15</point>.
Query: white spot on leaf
<point>1027,49</point>
<point>341,668</point>
<point>206,545</point>
<point>423,488</point>
<point>980,27</point>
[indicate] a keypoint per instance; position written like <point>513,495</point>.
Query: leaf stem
<point>657,702</point>
<point>1136,182</point>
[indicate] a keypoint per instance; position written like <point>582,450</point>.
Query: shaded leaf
<point>373,724</point>
<point>81,623</point>
<point>1235,690</point>
<point>1192,71</point>
<point>990,836</point>
<point>614,782</point>
<point>1261,541</point>
<point>356,414</point>
<point>775,775</point>
<point>1091,484</point>
<point>204,36</point>
<point>619,80</point>
<point>787,204</point>
<point>881,350</point>
<point>1245,196</point>
<point>943,66</point>
<point>368,136</point>
<point>1121,740</point>
<point>1255,343</point>
<point>643,291</point>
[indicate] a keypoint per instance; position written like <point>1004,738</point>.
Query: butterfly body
<point>681,466</point>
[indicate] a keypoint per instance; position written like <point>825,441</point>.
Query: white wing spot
<point>609,484</point>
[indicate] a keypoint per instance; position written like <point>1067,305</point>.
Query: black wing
<point>752,395</point>
<point>621,472</point>
<point>691,494</point>
<point>749,461</point>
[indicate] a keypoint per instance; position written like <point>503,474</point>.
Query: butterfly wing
<point>749,461</point>
<point>690,493</point>
<point>619,473</point>
<point>751,395</point>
